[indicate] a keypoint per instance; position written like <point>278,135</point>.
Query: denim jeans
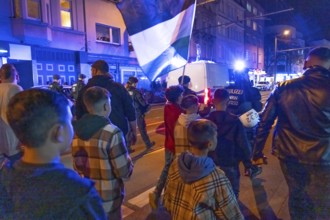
<point>141,124</point>
<point>309,190</point>
<point>233,175</point>
<point>169,157</point>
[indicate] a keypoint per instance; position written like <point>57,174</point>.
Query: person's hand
<point>260,160</point>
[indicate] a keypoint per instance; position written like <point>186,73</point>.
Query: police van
<point>205,77</point>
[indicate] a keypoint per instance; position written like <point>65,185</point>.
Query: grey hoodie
<point>193,168</point>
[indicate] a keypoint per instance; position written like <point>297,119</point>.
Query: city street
<point>263,198</point>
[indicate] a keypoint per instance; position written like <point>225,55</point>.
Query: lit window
<point>107,34</point>
<point>255,26</point>
<point>248,7</point>
<point>33,9</point>
<point>248,23</point>
<point>66,13</point>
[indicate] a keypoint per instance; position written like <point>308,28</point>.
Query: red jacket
<point>171,115</point>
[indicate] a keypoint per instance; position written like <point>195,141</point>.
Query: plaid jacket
<point>105,160</point>
<point>206,199</point>
<point>180,132</point>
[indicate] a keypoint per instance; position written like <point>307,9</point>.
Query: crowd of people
<point>200,178</point>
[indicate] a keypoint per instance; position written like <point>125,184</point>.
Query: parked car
<point>264,86</point>
<point>67,90</point>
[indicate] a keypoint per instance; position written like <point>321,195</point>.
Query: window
<point>61,68</point>
<point>39,66</point>
<point>49,67</point>
<point>17,9</point>
<point>255,26</point>
<point>40,80</point>
<point>66,8</point>
<point>33,9</point>
<point>107,34</point>
<point>248,22</point>
<point>71,68</point>
<point>248,7</point>
<point>255,10</point>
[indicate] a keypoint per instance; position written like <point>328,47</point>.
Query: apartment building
<point>46,37</point>
<point>218,33</point>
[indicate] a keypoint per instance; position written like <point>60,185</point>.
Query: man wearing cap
<point>185,82</point>
<point>122,109</point>
<point>78,86</point>
<point>141,108</point>
<point>301,137</point>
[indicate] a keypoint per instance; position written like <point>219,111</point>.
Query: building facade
<point>218,33</point>
<point>47,37</point>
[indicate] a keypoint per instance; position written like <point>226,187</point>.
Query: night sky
<point>311,17</point>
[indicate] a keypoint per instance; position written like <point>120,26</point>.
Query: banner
<point>160,32</point>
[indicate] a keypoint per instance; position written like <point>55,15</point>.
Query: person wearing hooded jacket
<point>141,108</point>
<point>123,112</point>
<point>232,145</point>
<point>99,151</point>
<point>195,187</point>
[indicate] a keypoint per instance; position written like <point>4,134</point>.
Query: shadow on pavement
<point>265,210</point>
<point>247,212</point>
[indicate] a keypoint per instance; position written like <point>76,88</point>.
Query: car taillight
<point>207,96</point>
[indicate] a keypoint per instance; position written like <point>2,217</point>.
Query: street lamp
<point>285,33</point>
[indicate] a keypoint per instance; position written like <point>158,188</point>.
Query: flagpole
<point>188,55</point>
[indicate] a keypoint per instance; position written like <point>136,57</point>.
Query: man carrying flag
<point>160,32</point>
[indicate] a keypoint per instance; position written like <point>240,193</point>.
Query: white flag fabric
<point>160,32</point>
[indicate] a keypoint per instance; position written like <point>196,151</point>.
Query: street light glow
<point>239,65</point>
<point>286,32</point>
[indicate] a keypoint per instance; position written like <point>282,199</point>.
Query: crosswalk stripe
<point>142,199</point>
<point>126,211</point>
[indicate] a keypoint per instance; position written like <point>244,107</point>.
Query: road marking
<point>126,211</point>
<point>142,199</point>
<point>155,123</point>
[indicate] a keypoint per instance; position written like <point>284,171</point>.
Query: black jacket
<point>242,92</point>
<point>140,104</point>
<point>76,88</point>
<point>233,145</point>
<point>302,106</point>
<point>187,91</point>
<point>121,103</point>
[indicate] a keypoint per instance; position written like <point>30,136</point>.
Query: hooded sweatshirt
<point>197,189</point>
<point>99,153</point>
<point>180,131</point>
<point>47,191</point>
<point>122,109</point>
<point>88,125</point>
<point>193,168</point>
<point>232,144</point>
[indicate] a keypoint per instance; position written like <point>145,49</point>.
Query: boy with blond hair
<point>99,151</point>
<point>190,105</point>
